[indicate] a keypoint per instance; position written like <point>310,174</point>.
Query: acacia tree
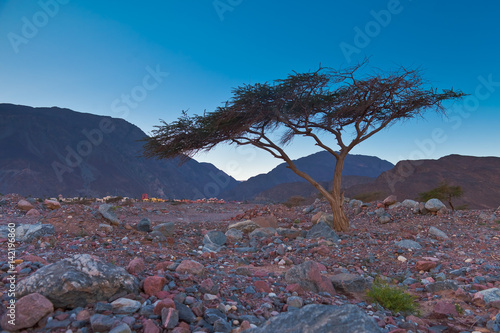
<point>328,106</point>
<point>443,192</point>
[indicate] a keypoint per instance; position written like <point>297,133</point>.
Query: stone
<point>289,233</point>
<point>321,229</point>
<point>122,328</point>
<point>443,309</point>
<point>234,235</point>
<point>408,244</point>
<point>262,286</point>
<point>434,205</point>
<point>267,221</point>
<point>315,218</point>
<point>214,237</point>
<point>295,301</point>
<point>169,317</point>
<point>441,285</point>
<point>78,281</point>
<point>425,265</point>
<point>222,326</point>
<point>262,233</point>
<point>308,276</point>
<point>185,313</point>
<point>320,318</point>
<point>107,212</point>
<point>212,315</point>
<point>52,204</point>
<point>208,286</point>
<point>384,218</point>
<point>106,227</point>
<point>489,295</point>
<point>412,204</point>
<point>350,283</point>
<point>190,267</point>
<point>166,229</point>
<point>154,284</point>
<point>144,225</point>
<point>33,213</point>
<point>101,323</point>
<point>327,219</point>
<point>438,233</point>
<point>30,309</point>
<point>24,205</point>
<point>28,232</point>
<point>136,266</point>
<point>390,200</point>
<point>355,203</point>
<point>164,303</point>
<point>487,217</point>
<point>149,326</point>
<point>125,306</point>
<point>246,226</point>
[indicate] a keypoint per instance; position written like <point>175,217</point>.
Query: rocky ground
<point>165,267</point>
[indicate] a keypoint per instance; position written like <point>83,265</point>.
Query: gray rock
<point>321,229</point>
<point>77,281</point>
<point>185,313</point>
<point>246,226</point>
<point>212,315</point>
<point>438,233</point>
<point>169,317</point>
<point>222,326</point>
<point>107,212</point>
<point>101,323</point>
<point>106,227</point>
<point>434,205</point>
<point>144,225</point>
<point>327,219</point>
<point>212,247</point>
<point>262,233</point>
<point>234,235</point>
<point>412,204</point>
<point>56,324</point>
<point>487,217</point>
<point>422,209</point>
<point>295,301</point>
<point>395,205</point>
<point>408,244</point>
<point>308,276</point>
<point>379,212</point>
<point>441,285</point>
<point>28,232</point>
<point>320,318</point>
<point>384,218</point>
<point>355,203</point>
<point>290,233</point>
<point>350,283</point>
<point>166,229</point>
<point>125,306</point>
<point>214,237</point>
<point>122,328</point>
<point>490,295</point>
<point>390,200</point>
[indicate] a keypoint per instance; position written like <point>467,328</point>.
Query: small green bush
<point>392,298</point>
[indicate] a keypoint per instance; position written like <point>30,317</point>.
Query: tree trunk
<point>340,221</point>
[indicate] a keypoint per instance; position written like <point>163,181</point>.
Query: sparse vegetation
<point>295,201</point>
<point>443,192</point>
<point>393,298</point>
<point>114,199</point>
<point>369,196</point>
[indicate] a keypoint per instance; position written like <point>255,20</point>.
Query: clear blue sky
<point>87,54</point>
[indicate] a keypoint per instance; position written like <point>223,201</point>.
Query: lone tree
<point>328,106</point>
<point>443,192</point>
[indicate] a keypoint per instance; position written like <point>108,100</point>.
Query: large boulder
<point>78,281</point>
<point>320,318</point>
<point>24,205</point>
<point>246,226</point>
<point>308,276</point>
<point>434,205</point>
<point>321,229</point>
<point>350,283</point>
<point>107,212</point>
<point>29,310</point>
<point>390,200</point>
<point>166,229</point>
<point>28,232</point>
<point>267,221</point>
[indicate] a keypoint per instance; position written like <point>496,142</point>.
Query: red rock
<point>420,322</point>
<point>136,266</point>
<point>163,266</point>
<point>295,287</point>
<point>262,286</point>
<point>154,284</point>
<point>24,205</point>
<point>33,258</point>
<point>390,200</point>
<point>164,303</point>
<point>443,309</point>
<point>150,327</point>
<point>29,310</point>
<point>51,204</point>
<point>181,330</point>
<point>190,267</point>
<point>479,286</point>
<point>380,205</point>
<point>266,221</point>
<point>208,286</point>
<point>260,273</point>
<point>83,315</point>
<point>321,250</point>
<point>162,294</point>
<point>425,265</point>
<point>33,213</point>
<point>398,330</point>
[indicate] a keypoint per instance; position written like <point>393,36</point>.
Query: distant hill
<point>51,151</point>
<point>319,165</point>
<point>479,178</point>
